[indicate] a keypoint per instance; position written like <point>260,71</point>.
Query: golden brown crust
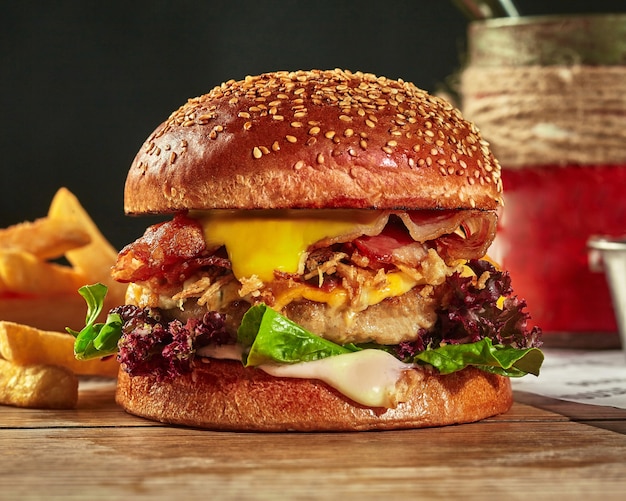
<point>223,395</point>
<point>313,139</point>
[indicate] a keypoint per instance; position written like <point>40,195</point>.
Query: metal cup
<point>609,255</point>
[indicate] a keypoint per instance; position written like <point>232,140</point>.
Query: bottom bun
<point>224,395</point>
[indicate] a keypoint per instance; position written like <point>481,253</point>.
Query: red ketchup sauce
<point>549,214</point>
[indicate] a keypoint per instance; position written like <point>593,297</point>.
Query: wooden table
<point>541,449</point>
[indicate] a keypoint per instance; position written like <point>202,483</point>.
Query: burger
<point>321,265</point>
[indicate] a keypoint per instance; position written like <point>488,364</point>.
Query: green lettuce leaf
<point>96,340</point>
<point>503,360</point>
<point>270,337</point>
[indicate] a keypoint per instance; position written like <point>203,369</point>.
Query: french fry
<point>37,386</point>
<point>44,238</point>
<point>51,313</point>
<point>95,259</point>
<point>25,345</point>
<point>23,273</point>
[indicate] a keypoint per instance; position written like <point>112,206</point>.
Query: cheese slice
<point>259,242</point>
<point>368,377</point>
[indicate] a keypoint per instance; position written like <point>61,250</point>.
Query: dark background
<point>82,84</point>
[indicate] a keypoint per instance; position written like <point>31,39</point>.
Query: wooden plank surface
<point>98,451</point>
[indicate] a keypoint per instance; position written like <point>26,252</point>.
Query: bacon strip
<point>381,239</point>
<point>171,251</point>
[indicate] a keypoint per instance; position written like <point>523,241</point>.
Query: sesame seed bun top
<point>314,139</point>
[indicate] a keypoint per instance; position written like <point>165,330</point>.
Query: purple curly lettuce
<point>474,313</point>
<point>150,346</point>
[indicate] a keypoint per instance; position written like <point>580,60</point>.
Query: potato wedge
<point>37,386</point>
<point>44,238</point>
<point>23,273</point>
<point>25,345</point>
<point>95,259</point>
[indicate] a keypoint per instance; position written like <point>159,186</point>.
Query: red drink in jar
<point>550,212</point>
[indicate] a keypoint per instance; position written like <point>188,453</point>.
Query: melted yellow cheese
<point>260,242</point>
<point>396,284</point>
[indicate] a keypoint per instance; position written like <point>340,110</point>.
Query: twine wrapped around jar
<point>549,115</point>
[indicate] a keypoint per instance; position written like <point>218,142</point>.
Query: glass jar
<point>549,94</point>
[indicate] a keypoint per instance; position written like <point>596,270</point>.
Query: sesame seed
<point>370,123</point>
<point>291,139</point>
<point>256,152</point>
<point>345,118</point>
<point>348,133</point>
<point>172,157</point>
<point>320,158</point>
<point>275,146</point>
<point>330,134</point>
<point>300,164</point>
<point>315,130</point>
<point>297,124</point>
